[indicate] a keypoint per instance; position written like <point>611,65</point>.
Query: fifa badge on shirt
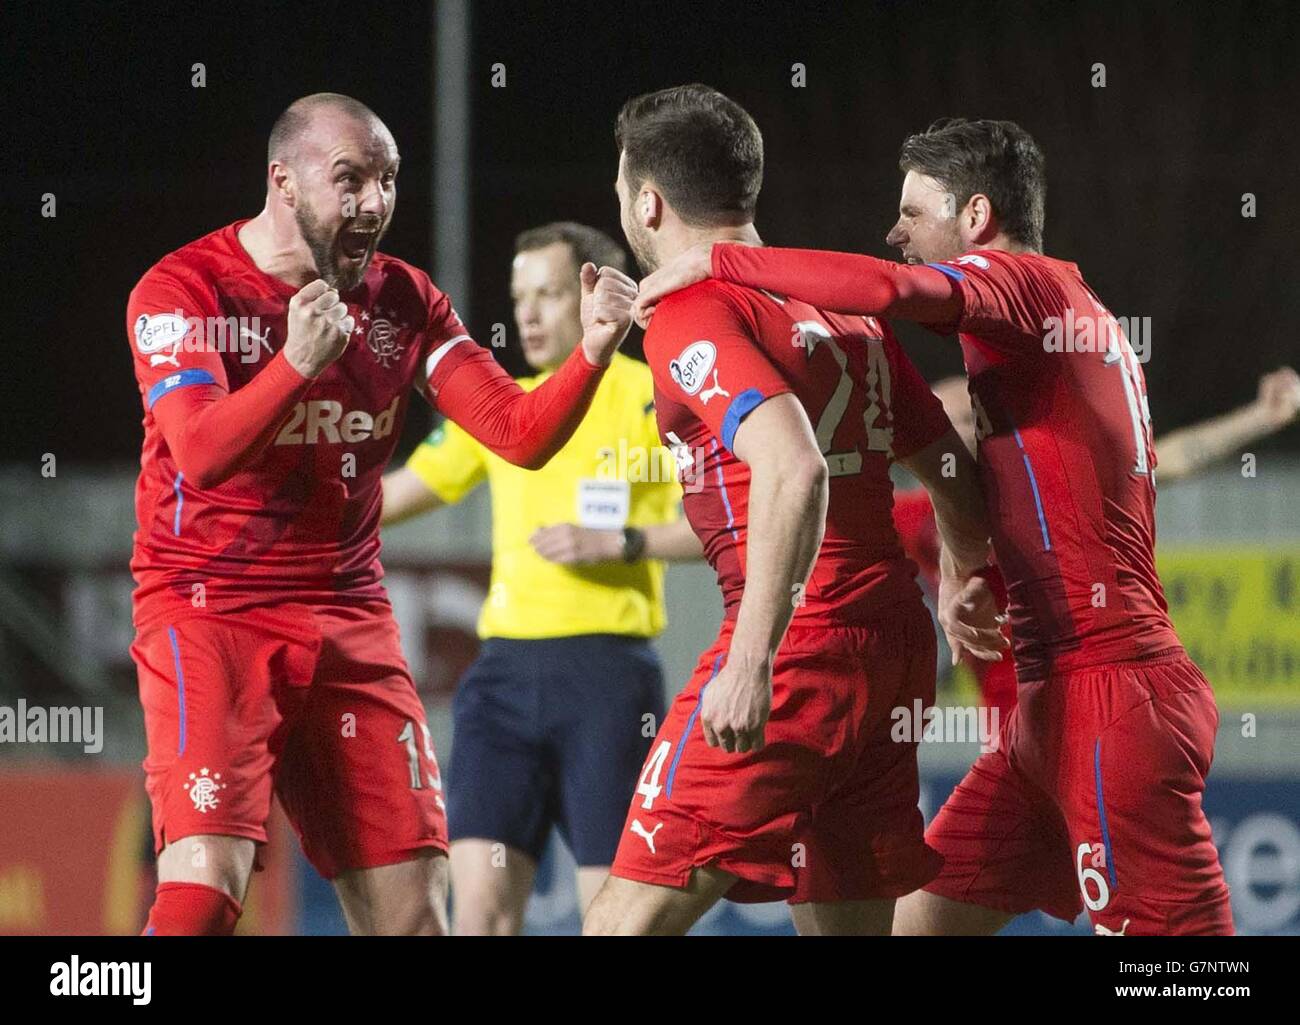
<point>603,504</point>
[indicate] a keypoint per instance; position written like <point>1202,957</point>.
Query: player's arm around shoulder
<point>1009,299</point>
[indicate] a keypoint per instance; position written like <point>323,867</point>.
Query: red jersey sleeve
<point>919,417</point>
<point>211,433</point>
<point>1005,300</point>
<point>464,383</point>
<point>165,322</point>
<point>840,282</point>
<point>443,335</point>
<point>703,351</point>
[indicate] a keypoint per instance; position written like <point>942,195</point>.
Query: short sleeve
<point>449,462</point>
<point>167,326</point>
<point>705,353</point>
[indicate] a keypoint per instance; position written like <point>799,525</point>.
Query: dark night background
<point>1145,176</point>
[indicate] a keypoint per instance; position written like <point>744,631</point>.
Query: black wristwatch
<point>633,544</point>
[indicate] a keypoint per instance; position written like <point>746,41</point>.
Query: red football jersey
<point>1066,461</point>
<point>717,351</point>
<point>301,522</point>
<point>919,534</point>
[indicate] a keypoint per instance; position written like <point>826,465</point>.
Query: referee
<point>550,723</point>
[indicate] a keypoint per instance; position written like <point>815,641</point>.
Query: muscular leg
<point>624,907</point>
<point>223,862</point>
<point>843,918</point>
<point>408,898</point>
<point>491,882</point>
<point>202,880</point>
<point>928,914</point>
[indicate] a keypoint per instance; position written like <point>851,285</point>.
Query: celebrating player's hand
<point>735,707</point>
<point>1279,397</point>
<point>319,326</point>
<point>968,612</point>
<point>607,296</point>
<point>682,271</point>
<point>571,545</point>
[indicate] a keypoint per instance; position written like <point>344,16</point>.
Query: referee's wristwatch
<point>633,544</point>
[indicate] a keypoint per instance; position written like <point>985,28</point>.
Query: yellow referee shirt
<point>612,473</point>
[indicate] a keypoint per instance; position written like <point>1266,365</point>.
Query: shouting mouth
<point>355,243</point>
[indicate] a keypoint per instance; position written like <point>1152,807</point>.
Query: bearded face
<point>341,248</point>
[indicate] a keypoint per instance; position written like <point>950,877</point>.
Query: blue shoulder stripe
<point>952,272</point>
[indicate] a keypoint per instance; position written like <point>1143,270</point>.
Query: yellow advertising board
<point>1237,611</point>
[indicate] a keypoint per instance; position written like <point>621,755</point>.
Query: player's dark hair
<point>296,119</point>
<point>702,150</point>
<point>996,158</point>
<point>588,245</point>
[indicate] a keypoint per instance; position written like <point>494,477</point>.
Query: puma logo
<point>263,340</point>
<point>649,837</point>
<point>708,393</point>
<point>1101,930</point>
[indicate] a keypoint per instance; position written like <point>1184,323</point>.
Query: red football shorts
<point>313,700</point>
<point>1093,799</point>
<point>827,811</point>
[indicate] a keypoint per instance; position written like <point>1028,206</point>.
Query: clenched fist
<point>318,328</point>
<point>607,296</point>
<point>1279,397</point>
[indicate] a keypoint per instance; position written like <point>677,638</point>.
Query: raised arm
<point>840,282</point>
<point>1189,450</point>
<point>467,385</point>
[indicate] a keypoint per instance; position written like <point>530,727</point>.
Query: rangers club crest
<point>382,339</point>
<point>203,787</point>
